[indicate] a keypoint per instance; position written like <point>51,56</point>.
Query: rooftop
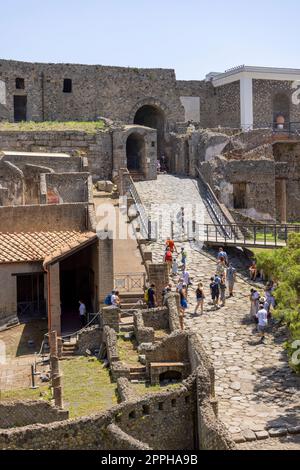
<point>40,246</point>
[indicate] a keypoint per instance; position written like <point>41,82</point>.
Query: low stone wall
<point>22,413</point>
<point>142,333</point>
<point>125,390</point>
<point>97,147</point>
<point>110,341</point>
<point>90,338</point>
<point>156,318</point>
<point>173,348</point>
<point>172,303</point>
<point>163,421</point>
<point>110,317</point>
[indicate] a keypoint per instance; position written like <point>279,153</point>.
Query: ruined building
<point>252,114</point>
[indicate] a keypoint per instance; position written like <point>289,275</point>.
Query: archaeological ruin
<point>99,165</point>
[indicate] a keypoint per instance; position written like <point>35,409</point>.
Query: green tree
<point>283,266</point>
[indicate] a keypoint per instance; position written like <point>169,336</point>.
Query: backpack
<point>146,295</point>
<point>107,300</point>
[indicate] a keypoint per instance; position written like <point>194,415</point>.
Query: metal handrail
<point>215,208</point>
<point>254,234</point>
<point>145,220</point>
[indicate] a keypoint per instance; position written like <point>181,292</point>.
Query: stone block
<point>262,435</point>
<point>277,432</point>
<point>249,435</point>
<point>101,185</point>
<point>294,430</point>
<point>109,186</point>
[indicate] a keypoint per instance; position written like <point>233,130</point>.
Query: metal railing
<point>215,210</point>
<point>130,282</point>
<point>147,226</point>
<point>262,235</point>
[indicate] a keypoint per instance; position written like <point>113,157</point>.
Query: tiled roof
<point>36,246</point>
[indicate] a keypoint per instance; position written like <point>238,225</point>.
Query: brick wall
<point>22,413</point>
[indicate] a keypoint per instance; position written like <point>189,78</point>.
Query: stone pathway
<point>258,394</point>
<point>164,199</point>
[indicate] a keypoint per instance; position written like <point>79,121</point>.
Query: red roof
<point>40,246</point>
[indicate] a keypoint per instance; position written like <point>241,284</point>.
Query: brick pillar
<point>111,317</point>
<point>106,267</point>
<point>158,275</point>
<point>54,298</point>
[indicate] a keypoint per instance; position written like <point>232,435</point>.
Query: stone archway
<point>135,152</point>
<point>151,116</point>
<point>152,113</point>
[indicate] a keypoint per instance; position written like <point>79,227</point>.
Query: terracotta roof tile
<point>36,246</point>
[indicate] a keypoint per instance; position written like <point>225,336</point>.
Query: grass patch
<point>87,388</point>
<point>143,389</point>
<point>42,392</point>
<point>31,126</point>
<point>127,351</point>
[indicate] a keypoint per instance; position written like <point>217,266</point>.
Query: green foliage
<point>283,266</point>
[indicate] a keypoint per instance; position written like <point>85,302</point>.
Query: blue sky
<point>194,37</point>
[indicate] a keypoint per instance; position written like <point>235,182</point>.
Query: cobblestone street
<point>256,389</point>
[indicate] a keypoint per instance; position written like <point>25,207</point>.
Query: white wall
<point>191,106</point>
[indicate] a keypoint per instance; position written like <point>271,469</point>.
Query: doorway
<point>151,116</point>
<point>239,195</point>
<point>135,152</point>
<point>30,296</point>
<point>77,282</point>
<point>20,108</point>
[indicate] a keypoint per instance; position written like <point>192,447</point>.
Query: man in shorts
<point>262,317</point>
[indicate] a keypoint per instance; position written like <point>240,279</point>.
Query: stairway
<point>137,374</point>
<point>131,300</point>
<point>70,347</point>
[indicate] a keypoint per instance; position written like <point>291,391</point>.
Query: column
<point>106,266</point>
<point>54,310</point>
<point>246,103</point>
<point>283,212</point>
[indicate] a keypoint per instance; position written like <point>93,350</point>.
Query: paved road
<point>255,387</point>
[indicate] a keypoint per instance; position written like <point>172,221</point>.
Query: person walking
<point>183,258</point>
<point>262,321</point>
<point>222,288</point>
<point>82,313</point>
<point>215,292</point>
<point>169,259</point>
<point>199,299</point>
<point>171,244</point>
<point>231,278</point>
<point>115,299</point>
<point>222,254</point>
<point>254,303</point>
<point>174,267</point>
<point>183,299</point>
<point>151,296</point>
<point>221,267</point>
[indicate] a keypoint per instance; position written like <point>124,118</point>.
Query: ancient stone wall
<point>97,147</point>
<point>264,92</point>
<point>89,339</point>
<point>68,187</point>
<point>208,103</point>
<point>22,413</point>
<point>228,99</point>
<point>112,92</point>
